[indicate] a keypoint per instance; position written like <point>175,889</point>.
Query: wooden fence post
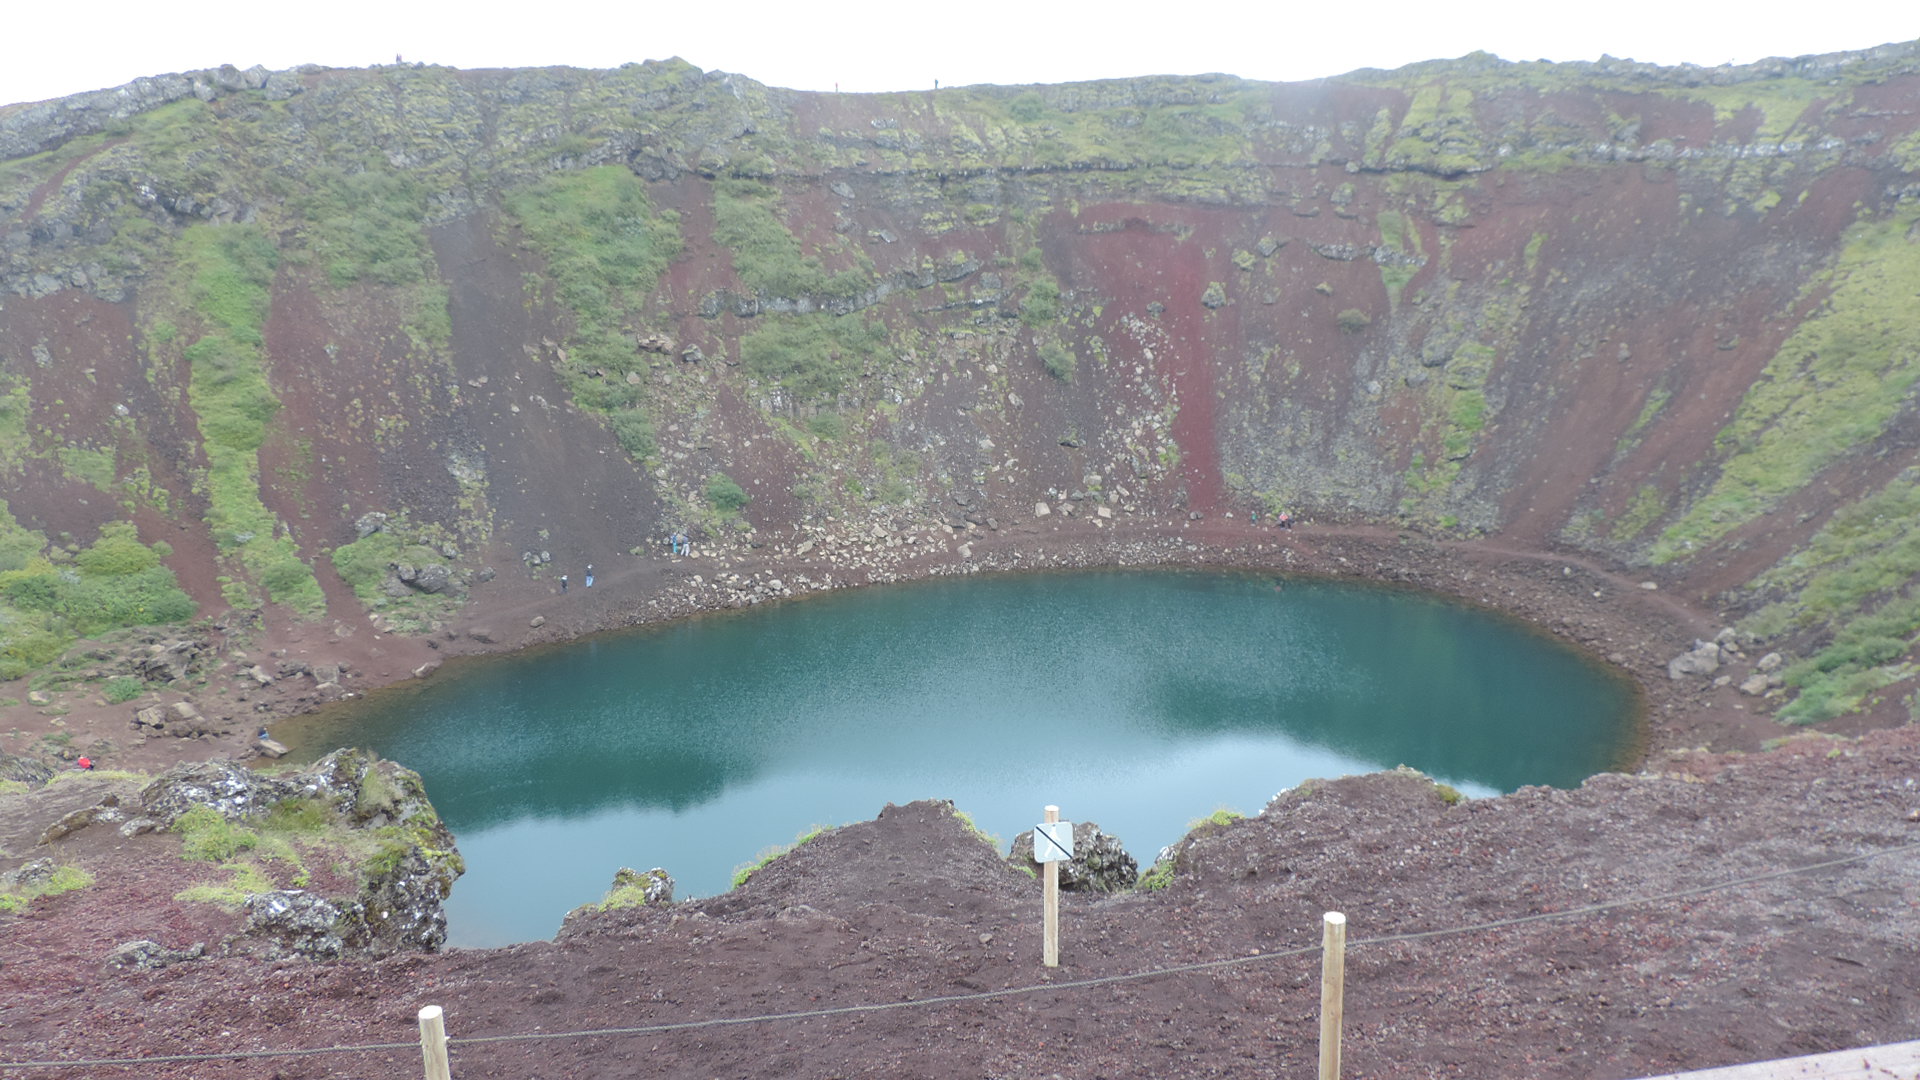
<point>1333,985</point>
<point>433,1043</point>
<point>1050,903</point>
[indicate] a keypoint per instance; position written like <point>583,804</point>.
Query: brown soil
<point>911,907</point>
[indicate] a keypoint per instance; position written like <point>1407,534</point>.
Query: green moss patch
<point>1833,387</point>
<point>229,271</point>
<point>813,358</point>
<point>46,605</point>
<point>606,247</point>
<point>747,870</point>
<point>766,255</point>
<point>1852,587</point>
<point>64,879</point>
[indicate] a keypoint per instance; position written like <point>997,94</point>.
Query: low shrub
<point>725,495</point>
<point>205,836</point>
<point>121,689</point>
<point>63,880</point>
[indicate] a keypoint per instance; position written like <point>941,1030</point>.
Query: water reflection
<point>1139,700</point>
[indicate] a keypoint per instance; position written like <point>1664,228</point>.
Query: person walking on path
<point>589,581</point>
<point>563,583</point>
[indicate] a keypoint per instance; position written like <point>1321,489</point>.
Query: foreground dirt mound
<point>1716,951</point>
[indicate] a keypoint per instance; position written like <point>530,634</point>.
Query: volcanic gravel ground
<point>913,906</point>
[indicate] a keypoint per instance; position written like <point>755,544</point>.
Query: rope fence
<point>444,1042</point>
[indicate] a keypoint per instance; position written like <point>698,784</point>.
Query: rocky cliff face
<point>333,334</point>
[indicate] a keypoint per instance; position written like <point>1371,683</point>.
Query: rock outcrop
<point>407,858</point>
<point>1099,864</point>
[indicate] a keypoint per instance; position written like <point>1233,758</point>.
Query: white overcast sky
<point>51,50</point>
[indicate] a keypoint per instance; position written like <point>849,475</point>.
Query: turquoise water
<point>1139,700</point>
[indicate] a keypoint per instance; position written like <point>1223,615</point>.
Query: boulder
<point>106,810</point>
<point>145,955</point>
<point>32,873</point>
<point>234,792</point>
<point>170,662</point>
<point>1099,863</point>
<point>401,906</point>
<point>179,719</point>
<point>368,524</point>
<point>1756,684</point>
<point>407,874</point>
<point>30,771</point>
<point>294,922</point>
<point>1702,659</point>
<point>655,886</point>
<point>431,578</point>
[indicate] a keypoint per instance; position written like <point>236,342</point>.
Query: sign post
<point>1052,842</point>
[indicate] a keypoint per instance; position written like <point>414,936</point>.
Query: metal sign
<point>1053,841</point>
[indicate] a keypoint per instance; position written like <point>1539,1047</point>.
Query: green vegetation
<point>1833,387</point>
<point>746,870</point>
<point>606,248</point>
<point>121,689</point>
<point>1657,399</point>
<point>367,225</point>
<point>629,891</point>
<point>896,473</point>
<point>293,831</point>
<point>1853,581</point>
<point>1645,508</point>
<point>45,605</point>
<point>1041,305</point>
<point>1157,877</point>
<point>364,564</point>
<point>1778,103</point>
<point>827,425</point>
<point>769,258</point>
<point>206,836</point>
<point>243,880</point>
<point>64,879</point>
<point>980,834</point>
<point>634,429</point>
<point>87,465</point>
<point>814,358</point>
<point>1439,133</point>
<point>726,496</point>
<point>229,270</point>
<point>1222,816</point>
<point>16,416</point>
<point>1059,360</point>
<point>1189,150</point>
<point>1401,236</point>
